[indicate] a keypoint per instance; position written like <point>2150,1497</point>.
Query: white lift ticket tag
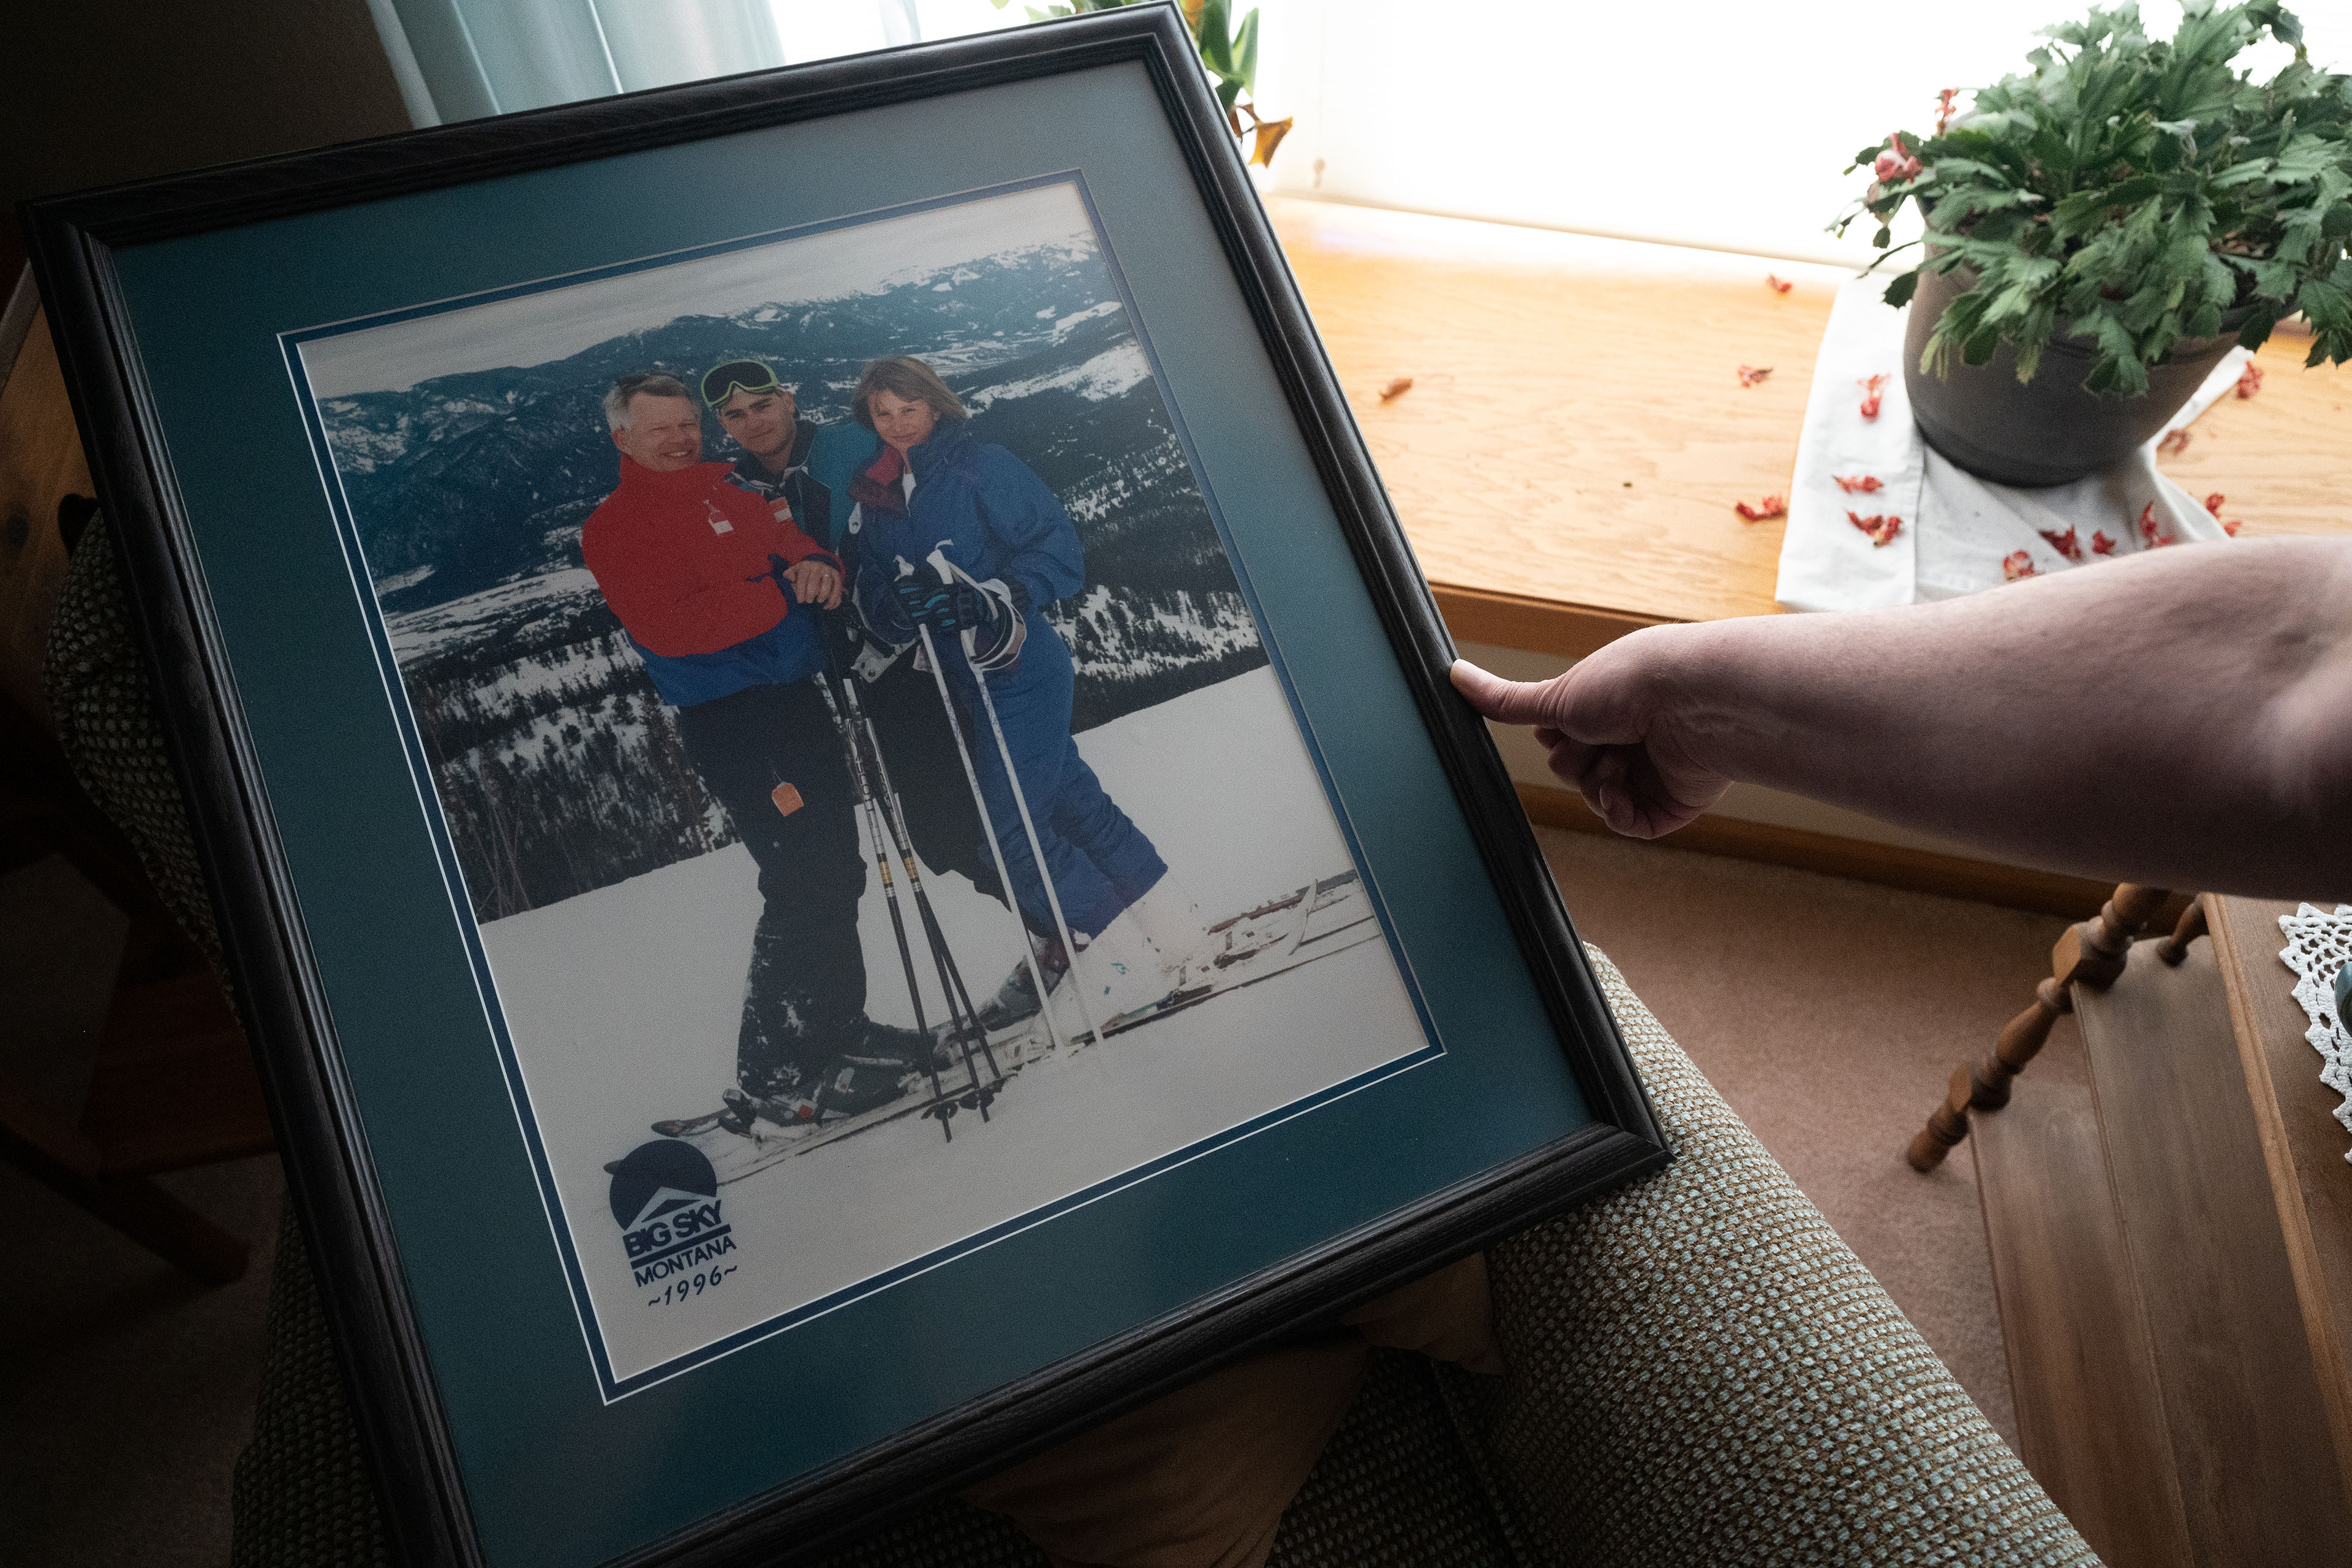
<point>719,523</point>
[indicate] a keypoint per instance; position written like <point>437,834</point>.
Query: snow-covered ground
<point>623,1004</point>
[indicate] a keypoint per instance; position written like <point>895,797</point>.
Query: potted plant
<point>2100,230</point>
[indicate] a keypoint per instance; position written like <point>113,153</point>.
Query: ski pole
<point>966,1023</point>
<point>890,896</point>
<point>894,812</point>
<point>949,570</point>
<point>988,826</point>
<point>776,573</point>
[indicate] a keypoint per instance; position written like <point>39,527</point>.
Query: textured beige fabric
<point>301,1494</point>
<point>1703,1373</point>
<point>96,685</point>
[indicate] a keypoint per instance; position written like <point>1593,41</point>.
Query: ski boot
<point>1121,971</point>
<point>852,1086</point>
<point>744,1111</point>
<point>1016,999</point>
<point>1144,956</point>
<point>866,1079</point>
<point>1173,926</point>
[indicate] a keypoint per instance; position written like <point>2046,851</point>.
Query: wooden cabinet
<point>2168,1204</point>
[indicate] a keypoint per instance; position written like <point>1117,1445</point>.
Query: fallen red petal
<point>1866,483</point>
<point>2065,544</point>
<point>2174,443</point>
<point>1770,506</point>
<point>1750,375</point>
<point>2017,564</point>
<point>2101,544</point>
<point>1778,284</point>
<point>2250,380</point>
<point>2213,503</point>
<point>2232,527</point>
<point>1881,528</point>
<point>1872,388</point>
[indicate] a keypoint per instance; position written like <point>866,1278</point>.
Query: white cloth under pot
<point>1957,533</point>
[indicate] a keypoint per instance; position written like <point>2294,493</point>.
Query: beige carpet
<point>1828,1011</point>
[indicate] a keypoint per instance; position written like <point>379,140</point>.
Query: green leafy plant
<point>1229,53</point>
<point>2135,192</point>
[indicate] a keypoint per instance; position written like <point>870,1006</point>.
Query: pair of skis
<point>1319,919</point>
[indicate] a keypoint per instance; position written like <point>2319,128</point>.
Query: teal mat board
<point>554,1475</point>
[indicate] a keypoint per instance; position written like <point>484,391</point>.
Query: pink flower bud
<point>1896,164</point>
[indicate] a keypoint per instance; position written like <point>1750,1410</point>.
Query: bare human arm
<point>2182,718</point>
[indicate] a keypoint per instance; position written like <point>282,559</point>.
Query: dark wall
<point>103,90</point>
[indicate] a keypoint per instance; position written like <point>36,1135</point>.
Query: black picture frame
<point>75,242</point>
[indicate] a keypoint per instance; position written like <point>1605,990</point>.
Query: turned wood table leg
<point>2091,953</point>
<point>2192,927</point>
<point>1985,1086</point>
<point>2021,1041</point>
<point>1947,1127</point>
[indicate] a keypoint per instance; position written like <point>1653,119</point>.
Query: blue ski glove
<point>956,607</point>
<point>925,601</point>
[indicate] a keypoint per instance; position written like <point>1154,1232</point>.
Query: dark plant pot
<point>2048,431</point>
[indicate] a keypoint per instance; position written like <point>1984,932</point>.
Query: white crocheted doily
<point>2318,945</point>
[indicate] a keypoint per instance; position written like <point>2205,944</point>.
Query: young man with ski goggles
<point>802,468</point>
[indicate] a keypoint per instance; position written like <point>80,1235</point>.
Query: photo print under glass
<point>881,815</point>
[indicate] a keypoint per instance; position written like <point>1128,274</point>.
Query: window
<point>1707,122</point>
<point>1720,123</point>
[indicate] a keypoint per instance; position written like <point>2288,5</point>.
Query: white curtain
<point>460,60</point>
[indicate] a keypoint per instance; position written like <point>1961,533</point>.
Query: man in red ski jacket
<point>720,596</point>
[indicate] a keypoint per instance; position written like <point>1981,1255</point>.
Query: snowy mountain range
<point>559,769</point>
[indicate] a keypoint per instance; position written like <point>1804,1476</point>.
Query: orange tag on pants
<point>787,798</point>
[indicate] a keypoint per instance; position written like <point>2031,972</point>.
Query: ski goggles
<point>723,382</point>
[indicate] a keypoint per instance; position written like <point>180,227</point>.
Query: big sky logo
<point>665,1200</point>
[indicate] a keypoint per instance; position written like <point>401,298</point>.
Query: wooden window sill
<point>1567,458</point>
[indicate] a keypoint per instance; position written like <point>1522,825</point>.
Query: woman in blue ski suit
<point>933,488</point>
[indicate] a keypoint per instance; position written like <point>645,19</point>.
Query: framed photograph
<point>830,784</point>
